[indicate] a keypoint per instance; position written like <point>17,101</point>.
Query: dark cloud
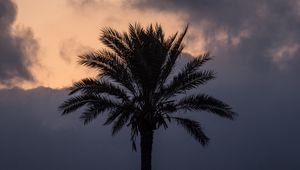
<point>264,136</point>
<point>35,136</point>
<point>17,45</point>
<point>257,31</point>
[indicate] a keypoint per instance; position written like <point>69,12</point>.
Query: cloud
<point>82,3</point>
<point>250,40</point>
<point>36,136</point>
<point>71,47</point>
<point>17,45</point>
<point>256,31</point>
<point>264,135</point>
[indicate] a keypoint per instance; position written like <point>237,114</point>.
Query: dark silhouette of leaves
<point>207,103</point>
<point>193,128</point>
<point>132,89</point>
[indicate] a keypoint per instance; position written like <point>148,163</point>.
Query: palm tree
<point>135,88</point>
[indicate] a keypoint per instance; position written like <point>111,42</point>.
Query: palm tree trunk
<point>146,148</point>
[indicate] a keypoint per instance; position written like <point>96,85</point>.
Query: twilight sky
<point>256,45</point>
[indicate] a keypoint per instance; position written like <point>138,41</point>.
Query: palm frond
<point>125,108</point>
<point>169,42</point>
<point>155,53</point>
<point>175,50</point>
<point>193,128</point>
<point>74,103</point>
<point>136,31</point>
<point>121,115</point>
<point>95,109</point>
<point>100,60</point>
<point>135,62</point>
<point>196,63</point>
<point>159,33</point>
<point>94,86</point>
<point>115,41</point>
<point>122,78</point>
<point>120,122</point>
<point>166,107</point>
<point>110,65</point>
<point>185,81</point>
<point>207,103</point>
<point>189,77</point>
<point>134,134</point>
<point>160,120</point>
<point>150,57</point>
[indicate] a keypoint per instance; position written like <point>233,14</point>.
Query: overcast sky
<point>256,49</point>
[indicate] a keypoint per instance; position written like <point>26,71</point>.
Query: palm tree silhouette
<point>134,86</point>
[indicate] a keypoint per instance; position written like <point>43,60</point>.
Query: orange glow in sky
<point>64,31</point>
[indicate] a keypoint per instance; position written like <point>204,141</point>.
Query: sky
<point>256,53</point>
